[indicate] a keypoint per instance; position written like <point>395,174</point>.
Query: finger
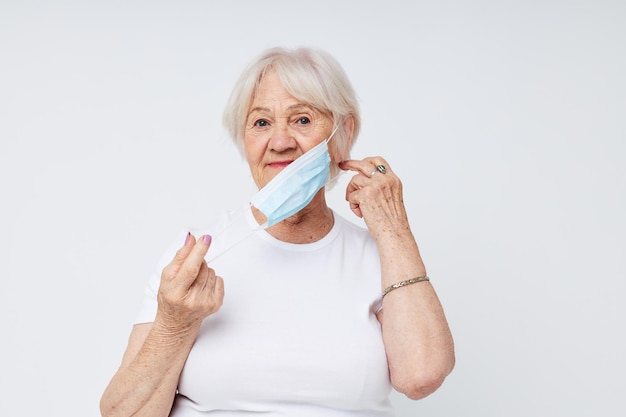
<point>202,280</point>
<point>379,166</point>
<point>212,296</point>
<point>351,196</point>
<point>209,283</point>
<point>365,189</point>
<point>173,267</point>
<point>356,209</point>
<point>191,266</point>
<point>367,166</point>
<point>218,292</point>
<point>183,252</point>
<point>218,288</point>
<point>208,290</point>
<point>353,200</point>
<point>354,165</point>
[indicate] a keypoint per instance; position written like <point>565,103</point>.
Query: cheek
<point>253,151</point>
<point>253,160</point>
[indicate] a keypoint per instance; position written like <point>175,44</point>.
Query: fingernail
<point>187,237</point>
<point>206,239</point>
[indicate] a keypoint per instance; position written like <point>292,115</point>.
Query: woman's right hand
<point>189,290</point>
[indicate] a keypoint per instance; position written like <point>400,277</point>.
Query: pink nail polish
<point>187,237</point>
<point>207,239</point>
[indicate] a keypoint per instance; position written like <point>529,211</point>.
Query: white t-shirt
<point>296,335</point>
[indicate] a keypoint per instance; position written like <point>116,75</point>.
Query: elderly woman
<point>321,317</point>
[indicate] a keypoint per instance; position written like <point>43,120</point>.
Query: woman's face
<point>280,128</point>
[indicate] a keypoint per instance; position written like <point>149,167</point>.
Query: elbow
<point>418,388</point>
<point>417,384</point>
<point>105,409</point>
<point>109,407</point>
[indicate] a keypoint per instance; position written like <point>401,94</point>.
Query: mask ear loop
<point>331,179</point>
<point>333,132</point>
<point>236,217</point>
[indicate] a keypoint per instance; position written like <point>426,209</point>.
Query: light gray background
<point>505,120</point>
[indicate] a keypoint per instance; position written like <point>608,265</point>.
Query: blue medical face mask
<point>295,186</point>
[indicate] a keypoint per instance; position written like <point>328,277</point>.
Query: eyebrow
<point>290,108</point>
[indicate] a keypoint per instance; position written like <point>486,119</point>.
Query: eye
<point>261,123</point>
<point>304,120</point>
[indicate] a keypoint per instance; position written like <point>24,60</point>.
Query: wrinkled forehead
<point>299,83</point>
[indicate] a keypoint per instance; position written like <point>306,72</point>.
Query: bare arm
<point>417,339</point>
<point>145,384</point>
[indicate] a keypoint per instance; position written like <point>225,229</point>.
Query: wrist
<point>168,329</point>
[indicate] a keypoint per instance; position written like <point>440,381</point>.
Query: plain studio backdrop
<point>504,119</point>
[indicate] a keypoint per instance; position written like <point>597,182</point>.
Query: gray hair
<point>310,75</point>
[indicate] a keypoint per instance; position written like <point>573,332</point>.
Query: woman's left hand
<point>375,194</point>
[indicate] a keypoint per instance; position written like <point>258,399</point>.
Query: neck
<point>308,225</point>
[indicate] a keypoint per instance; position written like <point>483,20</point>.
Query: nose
<point>282,138</point>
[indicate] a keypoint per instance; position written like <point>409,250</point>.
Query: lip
<point>280,164</point>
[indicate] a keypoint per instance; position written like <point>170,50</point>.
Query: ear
<point>343,149</point>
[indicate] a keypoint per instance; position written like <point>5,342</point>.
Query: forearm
<point>146,385</point>
<point>417,339</point>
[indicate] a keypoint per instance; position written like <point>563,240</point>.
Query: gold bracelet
<point>403,283</point>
